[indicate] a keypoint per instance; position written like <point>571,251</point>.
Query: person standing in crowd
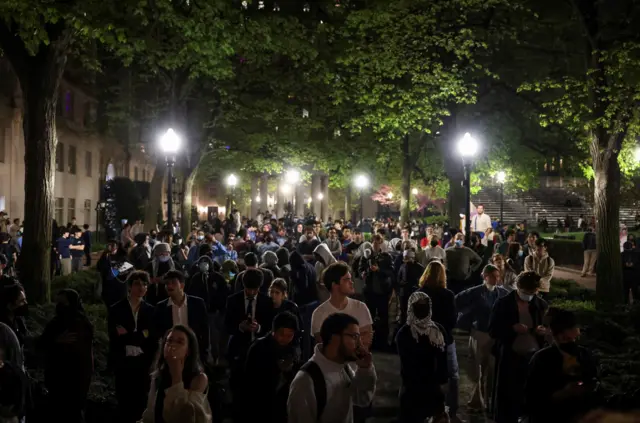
<point>67,345</point>
<point>211,286</point>
<point>160,265</point>
<point>249,316</point>
<point>563,377</point>
<point>307,244</point>
<point>337,279</point>
<point>270,262</point>
<point>408,280</point>
<point>63,248</point>
<point>251,261</point>
<point>423,363</point>
<point>509,238</point>
<point>272,362</point>
<point>542,264</point>
<point>278,293</point>
<point>434,251</point>
<point>481,221</point>
<point>630,272</point>
<point>10,252</point>
<point>13,380</point>
<point>324,258</point>
<point>516,326</point>
<point>590,253</point>
<point>462,262</point>
<point>86,240</point>
<point>131,347</point>
<point>14,308</point>
<point>114,288</point>
<point>178,382</point>
<point>77,250</point>
<point>326,389</point>
<point>434,283</point>
<point>376,268</point>
<point>140,255</point>
<point>183,309</point>
<point>507,274</point>
<point>474,307</point>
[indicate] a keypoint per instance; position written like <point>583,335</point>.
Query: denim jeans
<point>454,379</point>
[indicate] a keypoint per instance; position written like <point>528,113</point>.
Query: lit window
<point>306,7</point>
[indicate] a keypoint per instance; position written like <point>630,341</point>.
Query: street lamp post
<point>362,182</point>
<point>501,177</point>
<point>232,181</point>
<point>170,143</point>
<point>292,177</point>
<point>467,147</point>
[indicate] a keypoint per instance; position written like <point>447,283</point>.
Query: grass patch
<point>85,282</point>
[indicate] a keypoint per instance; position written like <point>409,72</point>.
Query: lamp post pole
<point>170,162</point>
<point>467,202</point>
<point>501,202</point>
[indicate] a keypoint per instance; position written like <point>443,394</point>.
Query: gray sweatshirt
<point>462,262</point>
<point>343,392</point>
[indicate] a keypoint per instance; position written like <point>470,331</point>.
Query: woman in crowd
<point>114,286</point>
<point>131,347</point>
<point>423,363</point>
<point>67,345</point>
<point>507,274</point>
<point>13,381</point>
<point>13,307</point>
<point>434,283</point>
<point>516,325</point>
<point>179,385</point>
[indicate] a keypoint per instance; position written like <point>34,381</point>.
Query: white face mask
<point>204,267</point>
<point>525,297</point>
<point>489,286</point>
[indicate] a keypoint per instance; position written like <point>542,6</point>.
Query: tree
<point>405,65</point>
<point>589,85</point>
<point>37,38</point>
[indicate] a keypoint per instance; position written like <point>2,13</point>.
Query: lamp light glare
<point>467,146</point>
<point>501,177</point>
<point>170,142</point>
<point>232,180</point>
<point>414,191</point>
<point>361,182</point>
<point>320,196</point>
<point>292,177</point>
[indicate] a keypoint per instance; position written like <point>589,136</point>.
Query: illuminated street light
<point>232,180</point>
<point>414,191</point>
<point>292,177</point>
<point>637,154</point>
<point>286,189</point>
<point>362,182</point>
<point>257,198</point>
<point>390,195</point>
<point>467,148</point>
<point>320,196</point>
<point>170,144</point>
<point>501,177</point>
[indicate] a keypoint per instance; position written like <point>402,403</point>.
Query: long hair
<point>192,364</point>
<point>434,276</point>
<point>506,260</point>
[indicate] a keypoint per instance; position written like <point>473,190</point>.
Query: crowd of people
<point>277,304</point>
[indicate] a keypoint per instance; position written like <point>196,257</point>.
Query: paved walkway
<point>569,273</point>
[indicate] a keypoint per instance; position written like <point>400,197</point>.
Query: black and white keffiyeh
<point>426,326</point>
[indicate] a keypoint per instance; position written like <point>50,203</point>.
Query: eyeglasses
<point>354,336</point>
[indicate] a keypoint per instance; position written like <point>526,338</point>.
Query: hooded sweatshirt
<point>335,246</point>
<point>343,392</point>
<point>303,284</point>
<point>323,259</point>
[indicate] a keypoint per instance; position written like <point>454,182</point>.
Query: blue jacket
<point>474,306</point>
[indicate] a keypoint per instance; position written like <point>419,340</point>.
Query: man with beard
<point>326,388</point>
<point>272,363</point>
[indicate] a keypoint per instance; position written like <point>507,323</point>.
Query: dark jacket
<point>443,310</point>
<point>382,281</point>
<point>138,334</point>
<point>589,241</point>
<point>302,287</point>
<point>211,287</point>
<point>474,306</point>
<point>114,287</point>
<point>505,314</point>
<point>237,313</point>
<point>197,318</point>
<point>267,381</point>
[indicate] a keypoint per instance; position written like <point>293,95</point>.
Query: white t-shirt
<point>354,308</point>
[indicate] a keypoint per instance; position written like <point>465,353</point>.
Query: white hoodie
<point>343,392</point>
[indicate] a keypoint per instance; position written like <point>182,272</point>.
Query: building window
<point>87,212</point>
<point>60,157</point>
<point>135,173</point>
<point>88,162</point>
<point>72,159</point>
<point>71,208</point>
<point>59,213</point>
<point>3,145</point>
<point>68,104</point>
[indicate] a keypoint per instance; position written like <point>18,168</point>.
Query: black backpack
<point>319,384</point>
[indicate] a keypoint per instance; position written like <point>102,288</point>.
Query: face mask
<point>22,311</point>
<point>525,297</point>
<point>520,253</point>
<point>163,259</point>
<point>421,311</point>
<point>459,243</point>
<point>489,286</point>
<point>434,243</point>
<point>204,267</point>
<point>200,237</point>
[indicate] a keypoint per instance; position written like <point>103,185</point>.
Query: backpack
<point>319,385</point>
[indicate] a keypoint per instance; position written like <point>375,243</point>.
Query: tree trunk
<point>155,196</point>
<point>187,201</point>
<point>347,203</point>
<point>455,200</point>
<point>405,187</point>
<point>607,211</point>
<point>40,92</point>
